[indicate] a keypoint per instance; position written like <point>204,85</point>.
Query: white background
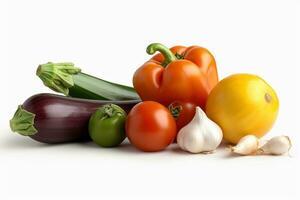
<point>108,39</point>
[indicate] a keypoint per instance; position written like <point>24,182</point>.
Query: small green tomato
<point>107,125</point>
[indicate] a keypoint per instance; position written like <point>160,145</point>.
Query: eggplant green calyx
<point>23,122</point>
<point>58,76</point>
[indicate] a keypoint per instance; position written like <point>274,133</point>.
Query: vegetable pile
<point>177,97</point>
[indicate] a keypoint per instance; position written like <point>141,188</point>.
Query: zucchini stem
<point>58,76</point>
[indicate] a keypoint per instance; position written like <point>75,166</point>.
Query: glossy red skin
<point>189,79</point>
<point>150,126</point>
<point>186,114</point>
<point>61,119</point>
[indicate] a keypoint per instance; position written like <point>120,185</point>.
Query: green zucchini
<point>67,79</point>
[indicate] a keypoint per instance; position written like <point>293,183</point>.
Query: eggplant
<point>51,118</point>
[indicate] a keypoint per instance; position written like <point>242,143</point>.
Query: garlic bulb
<point>200,135</point>
<point>246,146</point>
<point>276,146</point>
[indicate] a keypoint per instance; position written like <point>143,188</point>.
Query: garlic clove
<point>247,145</point>
<point>180,137</point>
<point>276,146</point>
<point>212,133</point>
<point>189,138</point>
<point>193,143</point>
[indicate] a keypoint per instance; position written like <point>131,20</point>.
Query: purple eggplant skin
<point>60,119</point>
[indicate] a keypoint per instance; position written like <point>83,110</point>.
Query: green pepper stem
<point>165,51</point>
<point>23,122</point>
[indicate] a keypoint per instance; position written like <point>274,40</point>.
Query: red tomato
<point>150,126</point>
<point>183,112</point>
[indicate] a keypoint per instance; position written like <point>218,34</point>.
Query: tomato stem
<point>108,110</point>
<point>175,110</point>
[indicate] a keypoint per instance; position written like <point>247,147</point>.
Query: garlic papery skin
<point>200,135</point>
<point>247,145</point>
<point>276,146</point>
